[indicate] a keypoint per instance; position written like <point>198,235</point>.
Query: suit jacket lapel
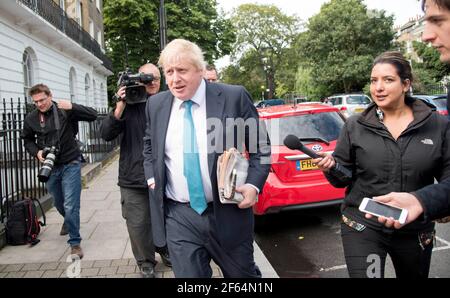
<point>215,102</point>
<point>163,115</point>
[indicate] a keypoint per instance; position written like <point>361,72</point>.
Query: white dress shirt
<point>176,187</point>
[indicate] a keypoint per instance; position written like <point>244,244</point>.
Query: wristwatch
<point>116,97</point>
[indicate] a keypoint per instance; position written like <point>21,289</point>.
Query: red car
<point>294,182</point>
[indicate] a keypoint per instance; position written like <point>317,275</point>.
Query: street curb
<point>2,235</point>
<point>263,263</point>
<point>91,170</point>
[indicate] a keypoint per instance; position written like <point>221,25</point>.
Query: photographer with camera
<point>49,135</point>
<point>129,118</point>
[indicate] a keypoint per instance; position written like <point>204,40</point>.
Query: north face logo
<point>427,142</point>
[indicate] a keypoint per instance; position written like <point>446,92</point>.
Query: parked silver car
<point>439,101</point>
<point>349,104</point>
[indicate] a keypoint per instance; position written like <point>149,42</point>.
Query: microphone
<point>294,143</point>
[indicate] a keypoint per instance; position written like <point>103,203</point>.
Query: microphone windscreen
<point>292,142</point>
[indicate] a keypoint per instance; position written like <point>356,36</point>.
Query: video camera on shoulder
<point>135,90</point>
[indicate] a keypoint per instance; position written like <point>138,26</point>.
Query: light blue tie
<point>191,168</point>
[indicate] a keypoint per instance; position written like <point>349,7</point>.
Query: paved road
<point>307,243</point>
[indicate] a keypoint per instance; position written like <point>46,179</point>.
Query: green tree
<point>132,31</point>
<point>423,80</point>
<point>304,84</point>
<point>127,44</point>
<point>340,44</point>
<point>269,33</point>
<point>245,73</point>
<point>430,62</point>
<point>200,22</point>
<point>286,74</point>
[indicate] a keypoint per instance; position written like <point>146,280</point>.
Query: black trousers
<point>136,212</point>
<point>192,244</point>
<point>366,251</point>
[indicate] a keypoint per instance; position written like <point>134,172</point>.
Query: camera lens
<point>47,167</point>
<point>135,94</point>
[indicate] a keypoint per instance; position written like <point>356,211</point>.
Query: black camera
<point>49,153</point>
<point>135,91</point>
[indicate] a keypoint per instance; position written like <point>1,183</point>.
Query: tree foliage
<point>304,84</point>
<point>200,22</point>
<point>340,44</point>
<point>430,70</point>
<point>131,32</point>
<point>267,33</point>
<point>245,73</point>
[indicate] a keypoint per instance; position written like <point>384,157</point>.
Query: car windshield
<point>270,102</point>
<point>358,100</point>
<point>325,125</point>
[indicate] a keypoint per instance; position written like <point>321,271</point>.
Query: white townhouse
<point>56,42</point>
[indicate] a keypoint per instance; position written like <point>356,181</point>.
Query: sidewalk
<point>106,246</point>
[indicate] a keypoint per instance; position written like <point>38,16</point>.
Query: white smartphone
<point>379,209</point>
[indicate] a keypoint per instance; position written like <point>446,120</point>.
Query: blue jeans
<point>64,185</point>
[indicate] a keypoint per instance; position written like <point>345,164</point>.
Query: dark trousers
<point>366,251</point>
<point>192,244</point>
<point>136,212</point>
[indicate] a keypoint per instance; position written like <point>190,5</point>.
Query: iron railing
<point>55,15</point>
<point>95,149</point>
<point>432,89</point>
<point>18,169</point>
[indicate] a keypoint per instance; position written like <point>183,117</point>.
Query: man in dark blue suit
<point>186,132</point>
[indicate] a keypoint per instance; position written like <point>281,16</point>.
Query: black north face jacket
<point>380,164</point>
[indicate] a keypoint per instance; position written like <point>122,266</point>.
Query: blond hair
<point>179,50</point>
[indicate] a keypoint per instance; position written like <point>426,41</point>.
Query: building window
<point>91,29</point>
<point>95,93</point>
<point>102,95</point>
<point>72,84</point>
<point>80,13</point>
<point>99,38</point>
<point>87,86</point>
<point>97,3</point>
<point>62,4</point>
<point>28,80</point>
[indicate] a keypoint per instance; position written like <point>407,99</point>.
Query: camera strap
<point>57,124</point>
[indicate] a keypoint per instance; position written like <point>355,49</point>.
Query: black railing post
<point>9,163</point>
<point>15,159</point>
<point>20,148</point>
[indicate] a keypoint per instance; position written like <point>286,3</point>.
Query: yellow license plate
<point>306,165</point>
<point>359,110</point>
